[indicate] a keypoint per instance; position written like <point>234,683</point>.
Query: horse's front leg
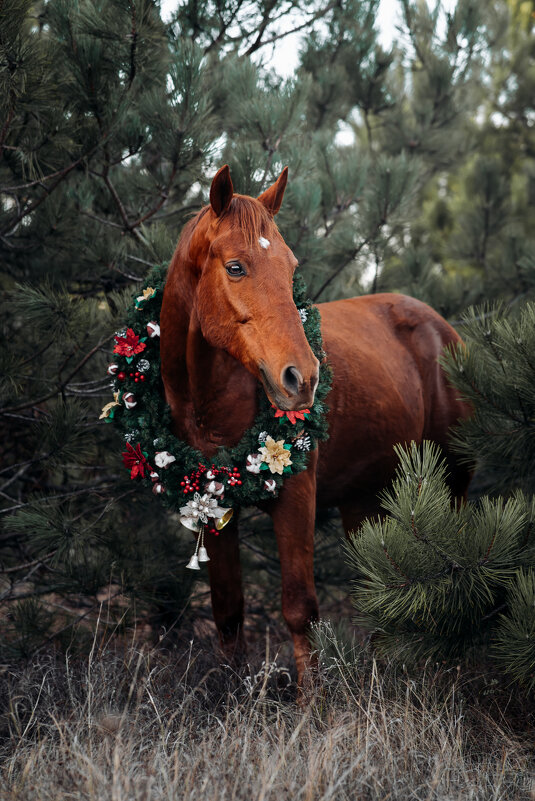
<point>293,515</point>
<point>224,570</point>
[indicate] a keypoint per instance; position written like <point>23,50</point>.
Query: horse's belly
<point>383,353</point>
<point>365,422</point>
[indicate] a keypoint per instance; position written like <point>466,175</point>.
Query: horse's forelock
<point>250,217</point>
<point>244,213</point>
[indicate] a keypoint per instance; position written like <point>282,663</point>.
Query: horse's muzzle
<point>292,392</point>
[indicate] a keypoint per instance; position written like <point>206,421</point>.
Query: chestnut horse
<point>229,321</point>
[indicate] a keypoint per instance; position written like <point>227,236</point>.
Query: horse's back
<point>387,314</point>
<point>388,387</point>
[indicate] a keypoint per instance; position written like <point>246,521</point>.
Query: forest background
<point>412,168</point>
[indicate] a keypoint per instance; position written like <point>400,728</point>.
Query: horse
<point>229,321</point>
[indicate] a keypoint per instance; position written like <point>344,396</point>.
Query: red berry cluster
<point>234,477</point>
<point>137,376</point>
<point>213,530</point>
<point>233,474</point>
<point>191,482</point>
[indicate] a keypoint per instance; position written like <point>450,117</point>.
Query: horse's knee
<point>299,610</point>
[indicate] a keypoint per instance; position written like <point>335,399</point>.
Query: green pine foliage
<point>514,638</point>
<point>433,578</point>
<point>112,124</point>
<point>474,239</point>
<point>495,372</point>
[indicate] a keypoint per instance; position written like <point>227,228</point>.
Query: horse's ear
<point>221,190</point>
<point>272,197</point>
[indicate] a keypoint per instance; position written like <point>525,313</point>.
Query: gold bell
<point>224,519</point>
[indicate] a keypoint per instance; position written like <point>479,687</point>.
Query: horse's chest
<point>218,421</point>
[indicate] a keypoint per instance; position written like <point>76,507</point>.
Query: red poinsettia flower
<point>293,417</point>
<point>128,345</point>
<point>135,460</point>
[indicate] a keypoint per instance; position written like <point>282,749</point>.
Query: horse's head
<point>243,297</point>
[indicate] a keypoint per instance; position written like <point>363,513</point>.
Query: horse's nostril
<point>291,379</point>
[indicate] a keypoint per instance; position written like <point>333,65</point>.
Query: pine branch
<point>224,26</point>
<point>133,46</point>
<point>164,196</point>
<point>61,387</point>
<point>98,485</point>
<point>17,568</point>
<point>335,273</point>
<point>61,175</point>
<point>302,26</point>
<point>121,208</point>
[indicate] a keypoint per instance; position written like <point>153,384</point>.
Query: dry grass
<point>146,724</point>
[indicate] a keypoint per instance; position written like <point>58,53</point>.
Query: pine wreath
<point>277,445</point>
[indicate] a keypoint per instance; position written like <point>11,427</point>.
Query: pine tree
<point>441,582</point>
<point>444,583</point>
<point>495,372</point>
<point>112,124</point>
<point>474,239</point>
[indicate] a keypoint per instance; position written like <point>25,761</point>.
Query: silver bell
<point>203,554</point>
<point>193,563</point>
<point>190,522</point>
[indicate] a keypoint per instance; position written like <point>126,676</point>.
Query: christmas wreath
<point>277,445</point>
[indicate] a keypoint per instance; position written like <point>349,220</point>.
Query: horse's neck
<point>222,393</point>
<point>211,395</point>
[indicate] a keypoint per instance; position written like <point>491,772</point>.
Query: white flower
<point>164,459</point>
<point>132,436</point>
<point>143,365</point>
<point>263,436</point>
<point>215,488</point>
<point>270,485</point>
<point>303,314</point>
<point>201,508</point>
<point>129,400</point>
<point>254,460</point>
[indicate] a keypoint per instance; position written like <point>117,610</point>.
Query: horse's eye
<point>235,269</point>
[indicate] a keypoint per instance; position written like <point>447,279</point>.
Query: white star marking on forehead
<point>264,243</point>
